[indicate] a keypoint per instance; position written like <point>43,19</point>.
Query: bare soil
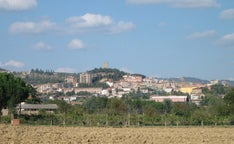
<point>142,135</point>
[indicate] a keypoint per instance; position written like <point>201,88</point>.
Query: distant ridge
<point>99,73</point>
<point>188,79</point>
<point>228,82</point>
<point>3,70</point>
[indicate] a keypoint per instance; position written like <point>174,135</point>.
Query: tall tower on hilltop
<point>105,65</point>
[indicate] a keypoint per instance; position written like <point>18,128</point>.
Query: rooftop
<point>38,106</point>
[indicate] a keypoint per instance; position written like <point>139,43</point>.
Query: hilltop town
<point>72,87</point>
<point>110,97</point>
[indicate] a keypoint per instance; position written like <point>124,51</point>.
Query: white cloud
<point>12,63</point>
<point>227,40</point>
<point>42,46</point>
<point>17,5</point>
<point>179,3</point>
<point>205,34</point>
<point>122,26</point>
<point>194,3</point>
<point>32,27</point>
<point>97,22</point>
<point>227,14</point>
<point>76,44</point>
<point>89,20</point>
<point>65,70</point>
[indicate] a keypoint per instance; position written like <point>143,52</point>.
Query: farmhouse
<point>35,108</point>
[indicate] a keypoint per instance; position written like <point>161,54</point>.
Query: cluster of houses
<point>126,85</point>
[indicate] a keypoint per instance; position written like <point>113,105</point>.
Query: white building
<point>173,98</point>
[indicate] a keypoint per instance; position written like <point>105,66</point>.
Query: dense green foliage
<point>95,84</point>
<point>215,90</point>
<point>41,77</point>
<point>13,90</point>
<point>100,73</point>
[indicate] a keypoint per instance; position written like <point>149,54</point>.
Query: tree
<point>167,105</point>
<point>33,100</point>
<point>217,89</point>
<point>13,90</point>
<point>229,100</point>
<point>117,106</point>
<point>95,104</point>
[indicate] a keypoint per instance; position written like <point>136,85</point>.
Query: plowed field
<point>152,135</point>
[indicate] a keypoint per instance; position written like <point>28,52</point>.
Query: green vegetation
<point>13,90</point>
<point>37,76</point>
<point>137,111</point>
<point>108,73</point>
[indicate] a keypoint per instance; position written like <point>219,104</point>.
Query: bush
<point>5,119</point>
<point>232,120</point>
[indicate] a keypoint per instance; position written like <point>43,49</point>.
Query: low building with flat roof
<point>35,108</point>
<point>173,98</point>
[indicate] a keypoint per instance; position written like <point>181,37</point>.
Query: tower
<point>105,65</point>
<point>86,78</point>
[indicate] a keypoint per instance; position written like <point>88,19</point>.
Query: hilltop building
<point>214,82</point>
<point>106,65</point>
<point>71,79</point>
<point>86,78</point>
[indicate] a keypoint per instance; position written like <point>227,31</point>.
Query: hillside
<point>187,79</point>
<point>108,73</point>
<point>2,70</point>
<point>41,77</point>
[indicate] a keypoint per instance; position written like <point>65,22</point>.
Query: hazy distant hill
<point>37,76</point>
<point>189,79</point>
<point>229,82</point>
<point>41,77</point>
<point>2,70</point>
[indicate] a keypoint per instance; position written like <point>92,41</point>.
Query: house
<point>70,98</point>
<point>93,90</point>
<point>173,98</point>
<point>132,78</point>
<point>187,89</point>
<point>35,108</point>
<point>196,96</point>
<point>105,92</point>
<point>168,89</point>
<point>71,79</point>
<point>214,82</point>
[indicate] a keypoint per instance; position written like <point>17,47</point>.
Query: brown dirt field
<point>150,135</point>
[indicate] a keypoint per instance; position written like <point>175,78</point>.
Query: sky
<point>157,38</point>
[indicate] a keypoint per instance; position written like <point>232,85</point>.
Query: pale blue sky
<point>161,38</point>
